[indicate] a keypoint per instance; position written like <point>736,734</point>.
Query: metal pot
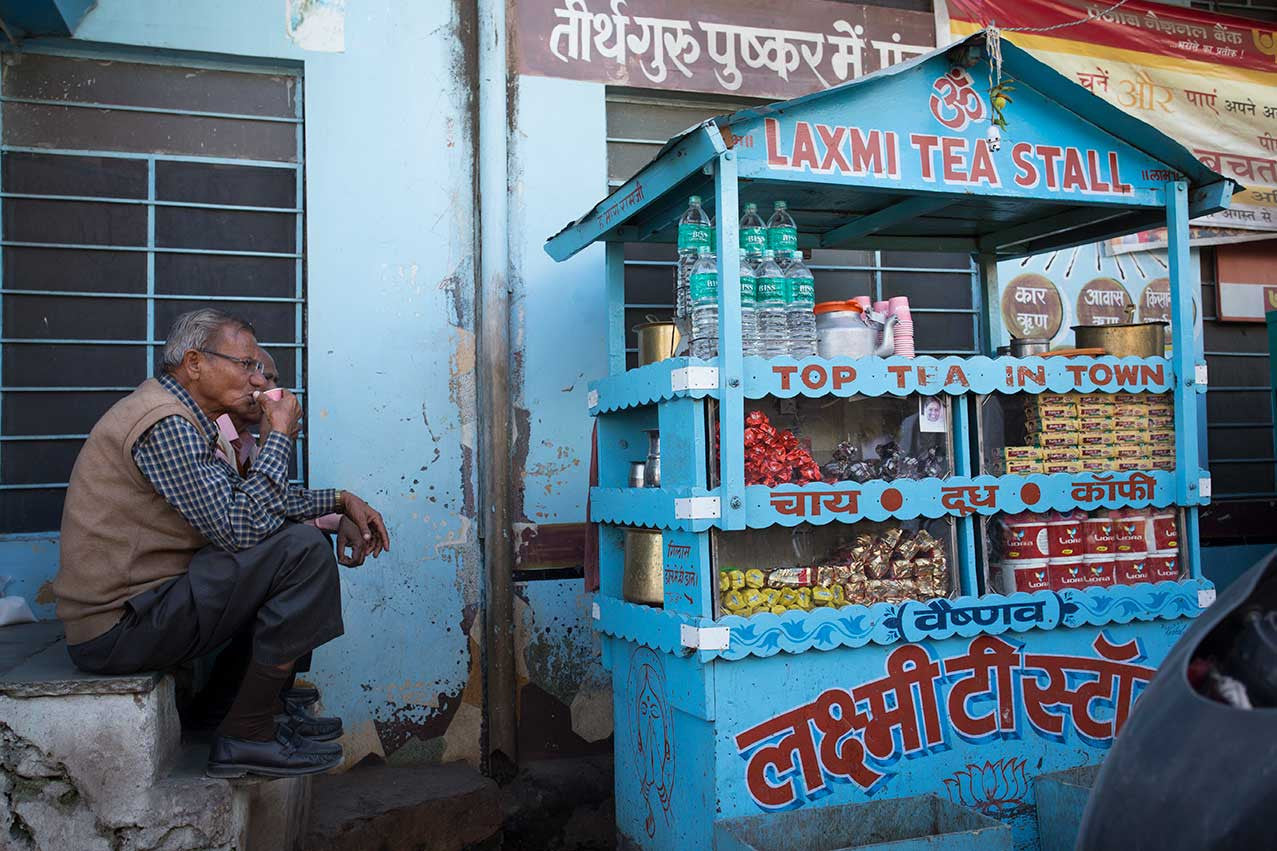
<point>1024,347</point>
<point>656,341</point>
<point>638,474</point>
<point>644,580</point>
<point>1136,339</point>
<point>652,467</point>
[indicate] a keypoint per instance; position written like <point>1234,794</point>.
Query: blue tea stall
<point>943,678</point>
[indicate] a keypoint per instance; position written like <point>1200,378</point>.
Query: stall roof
<point>842,209</point>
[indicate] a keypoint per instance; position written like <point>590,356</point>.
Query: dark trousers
<point>281,598</point>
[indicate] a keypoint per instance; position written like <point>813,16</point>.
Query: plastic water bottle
<point>704,295</point>
<point>800,314</point>
<point>751,344</point>
<point>693,235</point>
<point>782,233</point>
<point>753,233</point>
<point>773,326</point>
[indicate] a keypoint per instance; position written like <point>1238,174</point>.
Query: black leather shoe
<point>301,695</point>
<point>299,720</point>
<point>287,755</point>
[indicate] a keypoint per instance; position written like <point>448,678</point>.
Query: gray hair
<point>194,330</point>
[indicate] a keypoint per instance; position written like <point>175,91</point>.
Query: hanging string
<point>1067,24</point>
<point>993,38</point>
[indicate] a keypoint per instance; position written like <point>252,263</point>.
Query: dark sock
<point>280,709</point>
<point>252,714</point>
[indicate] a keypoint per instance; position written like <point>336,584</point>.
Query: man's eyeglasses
<point>248,364</point>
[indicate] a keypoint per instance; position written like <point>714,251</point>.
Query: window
<point>1239,423</point>
<point>132,192</point>
<point>940,286</point>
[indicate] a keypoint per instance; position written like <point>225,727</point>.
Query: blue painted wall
<point>392,412</point>
<point>558,169</point>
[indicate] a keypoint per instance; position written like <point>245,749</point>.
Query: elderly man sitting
<point>168,552</point>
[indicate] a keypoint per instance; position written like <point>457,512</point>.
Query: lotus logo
<point>1128,528</point>
<point>1106,529</point>
<point>1039,575</point>
<point>1138,567</point>
<point>996,789</point>
<point>1071,531</point>
<point>1097,570</point>
<point>1073,571</point>
<point>1018,534</point>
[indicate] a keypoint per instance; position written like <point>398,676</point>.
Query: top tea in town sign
<point>755,48</point>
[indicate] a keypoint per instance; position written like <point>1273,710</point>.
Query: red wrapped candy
<point>775,456</point>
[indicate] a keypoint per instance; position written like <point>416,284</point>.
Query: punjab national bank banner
<point>1209,81</point>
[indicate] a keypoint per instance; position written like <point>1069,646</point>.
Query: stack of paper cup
<point>898,307</point>
<point>865,302</point>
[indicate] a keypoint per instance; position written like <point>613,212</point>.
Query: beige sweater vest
<point>119,537</point>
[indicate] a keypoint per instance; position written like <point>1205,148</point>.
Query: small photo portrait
<point>931,415</point>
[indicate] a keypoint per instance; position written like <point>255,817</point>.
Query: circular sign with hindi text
<point>1155,301</point>
<point>1032,307</point>
<point>1104,301</point>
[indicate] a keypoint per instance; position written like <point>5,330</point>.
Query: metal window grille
<point>133,191</point>
<point>1239,424</point>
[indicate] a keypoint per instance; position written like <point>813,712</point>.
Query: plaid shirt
<point>234,513</point>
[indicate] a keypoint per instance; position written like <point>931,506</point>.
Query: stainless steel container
<point>644,580</point>
<point>652,469</point>
<point>638,474</point>
<point>1025,347</point>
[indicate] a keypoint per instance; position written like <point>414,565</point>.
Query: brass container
<point>644,579</point>
<point>656,341</point>
<point>1137,339</point>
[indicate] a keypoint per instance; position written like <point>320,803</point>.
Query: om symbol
<point>954,101</point>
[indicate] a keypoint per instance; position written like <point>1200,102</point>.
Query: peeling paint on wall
<point>564,692</point>
<point>317,24</point>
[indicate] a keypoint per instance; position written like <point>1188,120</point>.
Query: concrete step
<point>118,734</point>
<point>90,763</point>
<point>404,808</point>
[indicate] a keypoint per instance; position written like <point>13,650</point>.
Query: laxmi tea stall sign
<point>737,47</point>
<point>1050,156</point>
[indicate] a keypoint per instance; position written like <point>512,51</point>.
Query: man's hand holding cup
<point>280,411</point>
